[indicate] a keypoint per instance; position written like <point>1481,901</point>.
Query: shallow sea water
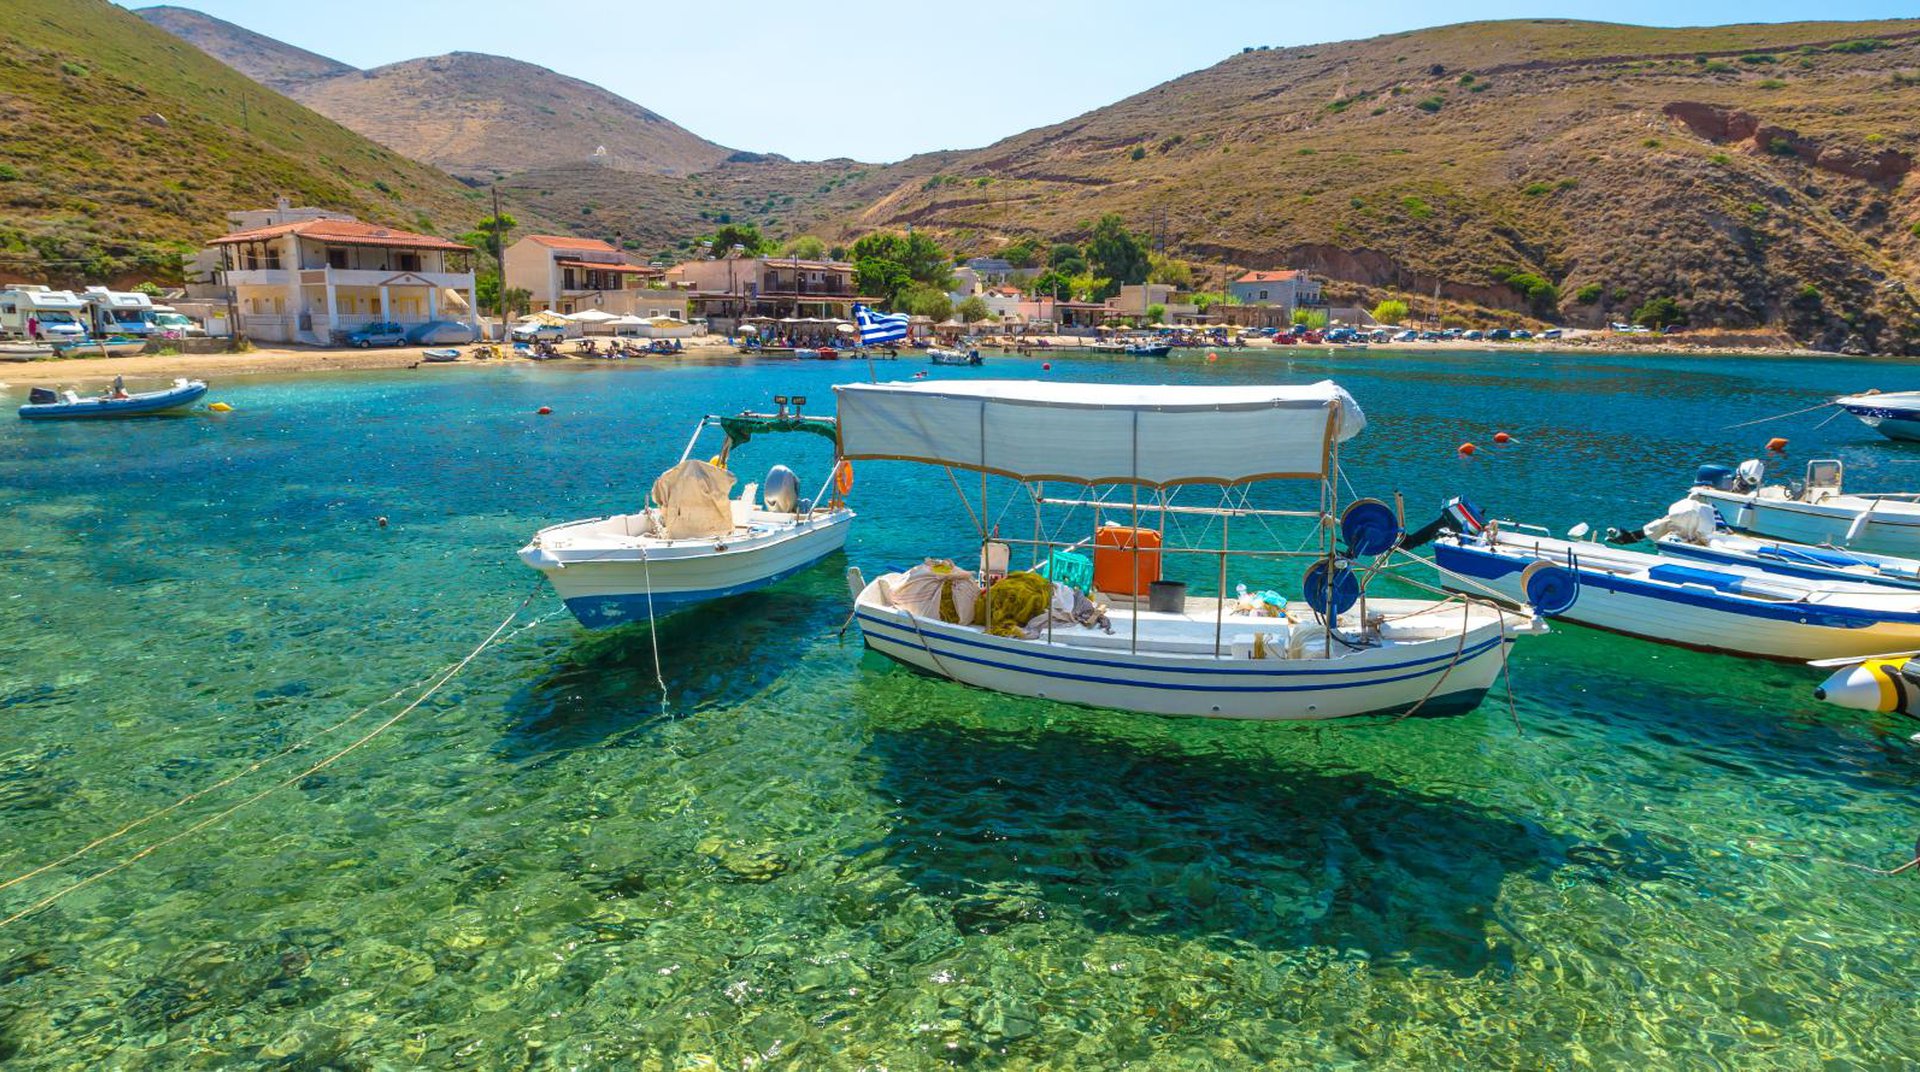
<point>810,858</point>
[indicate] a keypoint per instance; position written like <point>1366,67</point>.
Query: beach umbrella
<point>590,316</point>
<point>546,318</point>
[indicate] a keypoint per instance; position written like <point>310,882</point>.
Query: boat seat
<point>743,506</point>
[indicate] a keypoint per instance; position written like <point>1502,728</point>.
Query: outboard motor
<point>781,491</point>
<point>1751,474</point>
<point>1717,477</point>
<point>1460,516</point>
<point>41,396</point>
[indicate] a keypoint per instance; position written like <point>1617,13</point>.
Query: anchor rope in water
<point>1777,417</point>
<point>446,675</point>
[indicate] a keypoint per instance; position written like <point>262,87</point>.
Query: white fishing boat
<point>694,541</point>
<point>968,353</point>
<point>1894,414</point>
<point>1814,511</point>
<point>1692,530</point>
<point>1112,631</point>
<point>1731,608</point>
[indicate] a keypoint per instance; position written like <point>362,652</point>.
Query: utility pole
<point>499,262</point>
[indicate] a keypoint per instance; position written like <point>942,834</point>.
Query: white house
<point>314,280</point>
<point>1289,289</point>
<point>572,275</point>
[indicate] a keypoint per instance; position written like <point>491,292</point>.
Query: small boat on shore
<point>440,356</point>
<point>108,347</point>
<point>1814,511</point>
<point>25,351</point>
<point>691,543</point>
<point>48,405</point>
<point>1894,414</point>
<point>1149,349</point>
<point>1725,607</point>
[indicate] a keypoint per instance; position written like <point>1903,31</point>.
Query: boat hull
<point>608,591</point>
<point>1438,677</point>
<point>1893,416</point>
<point>1692,616</point>
<point>147,404</point>
<point>1895,530</point>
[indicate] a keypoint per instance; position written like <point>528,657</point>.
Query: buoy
<point>219,407</point>
<point>381,521</point>
<point>544,410</point>
<point>1467,448</point>
<point>1212,357</point>
<point>1046,366</point>
<point>1777,444</point>
<point>1502,437</point>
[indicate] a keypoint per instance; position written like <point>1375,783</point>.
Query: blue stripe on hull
<point>608,611</point>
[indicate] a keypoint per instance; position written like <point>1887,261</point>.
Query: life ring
<point>843,478</point>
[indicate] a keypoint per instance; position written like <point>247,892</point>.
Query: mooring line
<point>444,677</point>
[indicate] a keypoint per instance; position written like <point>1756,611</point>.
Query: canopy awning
<point>1098,433</point>
<point>744,426</point>
<point>545,318</point>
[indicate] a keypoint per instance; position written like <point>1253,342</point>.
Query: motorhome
<point>119,312</point>
<point>54,314</point>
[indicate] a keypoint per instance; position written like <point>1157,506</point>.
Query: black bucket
<point>1168,597</point>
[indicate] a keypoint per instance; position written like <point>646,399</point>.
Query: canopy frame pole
<point>1220,605</point>
<point>694,438</point>
<point>1133,538</point>
<point>1205,511</point>
<point>986,579</point>
<point>1330,497</point>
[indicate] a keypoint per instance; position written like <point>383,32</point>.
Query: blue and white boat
<point>693,541</point>
<point>1717,606</point>
<point>1336,652</point>
<point>1894,414</point>
<point>47,405</point>
<point>1796,560</point>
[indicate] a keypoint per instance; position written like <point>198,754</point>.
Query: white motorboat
<point>1894,414</point>
<point>1731,608</point>
<point>968,354</point>
<point>1814,511</point>
<point>693,542</point>
<point>1335,653</point>
<point>1692,530</point>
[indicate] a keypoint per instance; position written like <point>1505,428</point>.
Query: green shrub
<point>1356,202</point>
<point>1536,189</point>
<point>1759,57</point>
<point>1416,208</point>
<point>1809,295</point>
<point>1757,210</point>
<point>1650,143</point>
<point>1479,87</point>
<point>1589,294</point>
<point>1390,311</point>
<point>7,173</point>
<point>1875,139</point>
<point>76,70</point>
<point>1659,313</point>
<point>1914,230</point>
<point>1139,153</point>
<point>1781,147</point>
<point>1379,111</point>
<point>1431,105</point>
<point>1721,159</point>
<point>1772,83</point>
<point>1308,152</point>
<point>1720,67</point>
<point>1858,45</point>
<point>1620,294</point>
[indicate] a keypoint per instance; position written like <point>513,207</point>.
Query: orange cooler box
<point>1125,559</point>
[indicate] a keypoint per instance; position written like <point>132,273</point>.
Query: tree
<point>490,236</point>
<point>973,309</point>
<point>519,300</point>
<point>1310,318</point>
<point>1390,311</point>
<point>1156,313</point>
<point>1052,283</point>
<point>923,300</point>
<point>1660,312</point>
<point>1024,253</point>
<point>1116,254</point>
<point>1168,270</point>
<point>147,287</point>
<point>744,235</point>
<point>1067,258</point>
<point>806,247</point>
<point>885,264</point>
<point>1207,299</point>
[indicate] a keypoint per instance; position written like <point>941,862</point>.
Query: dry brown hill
<point>1758,174</point>
<point>271,63</point>
<point>126,146</point>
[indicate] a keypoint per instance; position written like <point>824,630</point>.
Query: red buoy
<point>1212,357</point>
<point>1467,448</point>
<point>1046,366</point>
<point>1502,437</point>
<point>1776,444</point>
<point>544,410</point>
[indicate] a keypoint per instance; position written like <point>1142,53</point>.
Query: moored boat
<point>1813,511</point>
<point>692,542</point>
<point>47,405</point>
<point>1115,633</point>
<point>440,356</point>
<point>941,356</point>
<point>1894,414</point>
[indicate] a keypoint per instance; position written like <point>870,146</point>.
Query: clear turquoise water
<point>811,859</point>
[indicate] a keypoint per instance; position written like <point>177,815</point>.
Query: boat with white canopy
<point>1097,622</point>
<point>693,541</point>
<point>1814,511</point>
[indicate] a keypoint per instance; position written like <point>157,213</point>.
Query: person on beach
<point>33,327</point>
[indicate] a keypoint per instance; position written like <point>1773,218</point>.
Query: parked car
<point>1408,335</point>
<point>1474,336</point>
<point>531,332</point>
<point>169,322</point>
<point>1551,333</point>
<point>1432,336</point>
<point>378,333</point>
<point>1499,335</point>
<point>441,333</point>
<point>1522,334</point>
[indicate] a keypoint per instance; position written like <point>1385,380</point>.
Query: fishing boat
<point>1114,632</point>
<point>692,542</point>
<point>1813,511</point>
<point>968,356</point>
<point>1693,530</point>
<point>1725,607</point>
<point>47,405</point>
<point>1894,414</point>
<point>109,347</point>
<point>1148,349</point>
<point>24,351</point>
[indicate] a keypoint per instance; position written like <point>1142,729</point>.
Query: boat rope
<point>653,628</point>
<point>1777,416</point>
<point>443,677</point>
<point>914,620</point>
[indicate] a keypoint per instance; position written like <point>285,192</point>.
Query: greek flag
<point>879,327</point>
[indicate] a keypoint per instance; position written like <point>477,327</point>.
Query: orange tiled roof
<point>346,232</point>
<point>1270,277</point>
<point>567,242</point>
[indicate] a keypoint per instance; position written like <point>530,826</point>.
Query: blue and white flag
<point>879,327</point>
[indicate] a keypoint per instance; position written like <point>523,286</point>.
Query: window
<point>566,279</point>
<point>336,258</point>
<point>1263,295</point>
<point>409,262</point>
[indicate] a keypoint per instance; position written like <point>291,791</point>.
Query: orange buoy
<point>544,410</point>
<point>1467,448</point>
<point>1212,357</point>
<point>1776,444</point>
<point>1502,437</point>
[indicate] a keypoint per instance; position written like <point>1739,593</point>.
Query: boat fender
<point>1873,685</point>
<point>219,407</point>
<point>843,477</point>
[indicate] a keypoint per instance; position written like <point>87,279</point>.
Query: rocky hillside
<point>472,114</point>
<point>271,63</point>
<point>126,146</point>
<point>1756,174</point>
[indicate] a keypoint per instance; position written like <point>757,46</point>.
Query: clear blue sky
<point>879,80</point>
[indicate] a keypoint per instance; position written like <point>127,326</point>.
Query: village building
<point>571,275</point>
<point>1135,299</point>
<point>1288,289</point>
<point>314,280</point>
<point>729,290</point>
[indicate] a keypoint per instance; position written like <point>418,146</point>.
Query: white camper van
<point>119,312</point>
<point>58,315</point>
